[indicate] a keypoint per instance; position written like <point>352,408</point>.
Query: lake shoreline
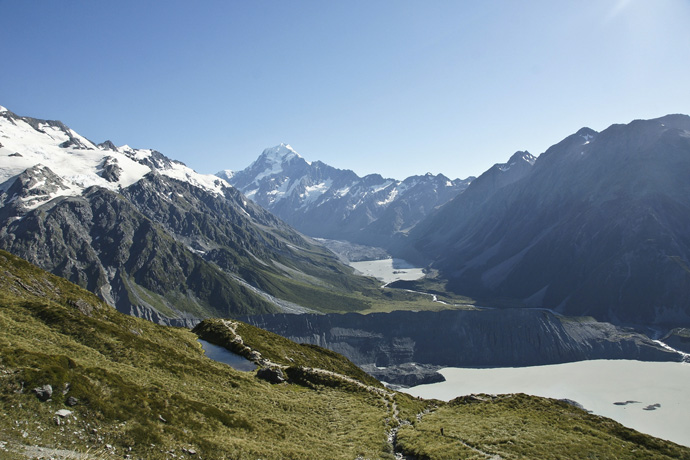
<point>650,397</point>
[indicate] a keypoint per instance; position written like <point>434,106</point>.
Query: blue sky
<point>394,87</point>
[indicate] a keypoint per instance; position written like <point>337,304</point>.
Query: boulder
<point>43,393</point>
<point>271,375</point>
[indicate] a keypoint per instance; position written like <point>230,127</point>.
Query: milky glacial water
<point>597,385</point>
<point>388,270</point>
<point>222,355</point>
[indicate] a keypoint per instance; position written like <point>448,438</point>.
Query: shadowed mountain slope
<point>600,226</point>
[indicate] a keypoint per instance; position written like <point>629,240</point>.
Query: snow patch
<point>389,199</point>
<point>342,192</point>
<point>377,188</point>
<point>312,192</point>
<point>587,138</point>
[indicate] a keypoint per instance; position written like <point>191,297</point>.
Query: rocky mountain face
<point>439,231</point>
<point>382,343</point>
<point>598,226</point>
<point>148,234</point>
<point>325,202</point>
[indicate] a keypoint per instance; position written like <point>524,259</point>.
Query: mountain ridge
<point>598,227</point>
<point>153,237</point>
<point>326,202</point>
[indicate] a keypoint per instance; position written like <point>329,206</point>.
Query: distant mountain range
<point>151,236</point>
<point>322,201</point>
<point>599,226</point>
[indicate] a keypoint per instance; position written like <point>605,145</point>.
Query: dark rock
<point>83,306</point>
<point>464,338</point>
<point>43,393</point>
<point>111,170</point>
<point>406,374</point>
<point>71,401</point>
<point>575,404</point>
<point>270,374</point>
<point>652,407</point>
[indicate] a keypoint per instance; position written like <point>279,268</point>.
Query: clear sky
<point>395,87</point>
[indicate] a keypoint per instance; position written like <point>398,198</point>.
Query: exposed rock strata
<point>495,338</point>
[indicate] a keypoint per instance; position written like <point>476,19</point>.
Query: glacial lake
<point>388,270</point>
<point>224,356</point>
<point>653,398</point>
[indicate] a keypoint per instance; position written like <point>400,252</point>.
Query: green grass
<point>149,391</point>
<point>395,299</point>
<point>128,373</point>
<point>526,427</point>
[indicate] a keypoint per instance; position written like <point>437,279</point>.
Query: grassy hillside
<point>525,427</point>
<point>145,391</point>
<point>150,389</point>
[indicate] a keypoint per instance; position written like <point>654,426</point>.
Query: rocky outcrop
<point>405,375</point>
<point>495,338</point>
<point>271,374</point>
<point>44,393</point>
<point>679,339</point>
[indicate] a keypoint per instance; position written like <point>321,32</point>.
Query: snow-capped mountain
<point>66,164</point>
<point>148,234</point>
<point>326,202</point>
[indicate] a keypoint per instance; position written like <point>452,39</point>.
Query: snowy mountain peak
<point>327,202</point>
<point>279,154</point>
<point>71,163</point>
<point>107,145</point>
<point>3,109</point>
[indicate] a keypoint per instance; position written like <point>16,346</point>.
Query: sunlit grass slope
<point>526,427</point>
<point>150,389</point>
<point>148,392</point>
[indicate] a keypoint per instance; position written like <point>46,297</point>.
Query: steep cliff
<point>461,338</point>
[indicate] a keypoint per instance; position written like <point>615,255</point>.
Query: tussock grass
<point>149,391</point>
<point>525,427</point>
